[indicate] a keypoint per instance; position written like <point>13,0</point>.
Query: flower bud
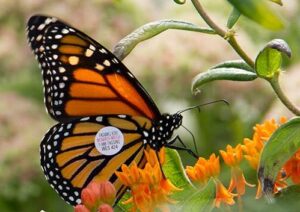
<point>81,208</point>
<point>107,192</point>
<point>90,195</point>
<point>105,208</point>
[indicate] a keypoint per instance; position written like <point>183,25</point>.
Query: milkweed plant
<point>272,153</point>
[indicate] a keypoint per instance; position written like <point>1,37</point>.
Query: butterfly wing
<point>81,77</point>
<point>70,159</point>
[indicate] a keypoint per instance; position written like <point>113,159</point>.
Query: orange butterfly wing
<point>70,159</point>
<point>81,77</point>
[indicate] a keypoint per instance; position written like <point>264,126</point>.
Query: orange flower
<point>292,167</point>
<point>223,195</point>
<point>238,181</point>
<point>262,132</point>
<point>232,157</point>
<point>149,188</point>
<point>252,151</point>
<point>204,169</point>
<point>252,148</point>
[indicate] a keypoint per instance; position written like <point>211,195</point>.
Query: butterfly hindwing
<point>81,77</point>
<point>70,159</point>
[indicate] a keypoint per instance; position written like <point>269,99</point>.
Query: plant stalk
<point>280,94</point>
<point>231,39</point>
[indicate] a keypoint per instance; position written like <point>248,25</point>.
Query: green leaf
<point>269,59</point>
<point>122,207</point>
<point>175,172</point>
<point>277,2</point>
<point>234,74</point>
<point>147,31</point>
<point>281,146</point>
<point>258,11</point>
<point>289,194</point>
<point>233,18</point>
<point>201,200</point>
<point>239,64</point>
<point>189,198</point>
<point>180,1</point>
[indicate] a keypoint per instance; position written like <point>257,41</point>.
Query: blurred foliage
<point>165,65</point>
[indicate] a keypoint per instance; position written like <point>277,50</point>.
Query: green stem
<point>231,39</point>
<point>126,45</point>
<point>283,98</point>
<point>207,19</point>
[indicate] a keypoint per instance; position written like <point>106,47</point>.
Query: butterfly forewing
<point>70,159</point>
<point>81,77</point>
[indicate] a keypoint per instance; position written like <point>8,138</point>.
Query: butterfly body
<point>88,90</point>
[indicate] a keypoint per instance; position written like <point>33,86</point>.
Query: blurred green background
<point>165,65</point>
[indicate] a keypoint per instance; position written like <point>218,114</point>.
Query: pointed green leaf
<point>201,200</point>
<point>234,74</point>
<point>233,18</point>
<point>174,171</point>
<point>258,11</point>
<point>239,64</point>
<point>281,146</point>
<point>149,30</point>
<point>288,195</point>
<point>122,207</point>
<point>179,1</point>
<point>269,59</point>
<point>277,2</point>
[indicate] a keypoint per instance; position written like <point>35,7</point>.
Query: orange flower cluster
<point>250,150</point>
<point>97,197</point>
<point>149,188</point>
<point>262,132</point>
<point>203,171</point>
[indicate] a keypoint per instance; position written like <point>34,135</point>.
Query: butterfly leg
<point>177,138</point>
<point>184,148</point>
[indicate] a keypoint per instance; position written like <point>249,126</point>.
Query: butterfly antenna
<point>200,105</point>
<point>194,141</point>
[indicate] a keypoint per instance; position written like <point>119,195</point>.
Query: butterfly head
<point>168,123</point>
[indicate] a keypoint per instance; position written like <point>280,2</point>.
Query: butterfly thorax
<point>162,130</point>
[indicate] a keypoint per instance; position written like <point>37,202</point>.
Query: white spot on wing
<point>58,36</point>
<point>89,52</point>
<point>106,62</point>
<point>65,31</point>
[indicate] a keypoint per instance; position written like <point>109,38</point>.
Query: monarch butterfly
<point>89,91</point>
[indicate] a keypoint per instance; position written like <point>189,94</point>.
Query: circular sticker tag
<point>109,140</point>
